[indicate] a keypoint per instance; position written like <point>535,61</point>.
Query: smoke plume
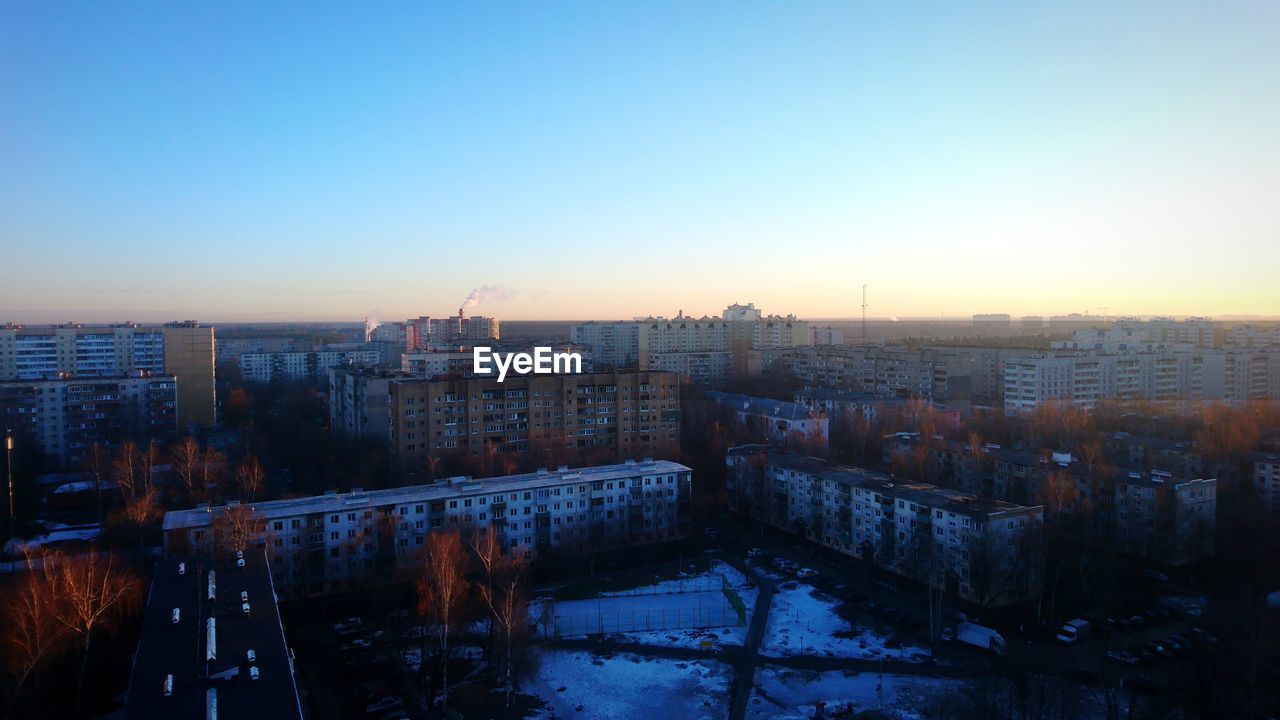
<point>485,294</point>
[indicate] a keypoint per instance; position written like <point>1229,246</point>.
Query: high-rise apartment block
<point>66,417</point>
<point>183,349</point>
<point>615,415</point>
<point>700,349</point>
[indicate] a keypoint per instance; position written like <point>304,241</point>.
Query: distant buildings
<point>68,416</point>
<point>1131,507</point>
<point>182,349</point>
<point>1175,378</point>
<point>985,551</point>
<point>700,349</point>
<point>993,324</point>
<point>341,542</point>
<point>193,658</point>
<point>775,421</point>
<point>560,417</point>
<point>309,365</point>
<point>426,333</point>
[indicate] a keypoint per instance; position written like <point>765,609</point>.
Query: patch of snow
<point>803,621</point>
<point>784,694</point>
<point>577,684</point>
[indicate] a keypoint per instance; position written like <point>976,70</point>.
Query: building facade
<point>345,541</point>
<point>183,349</point>
<point>986,551</point>
<point>67,417</point>
<point>615,415</point>
<point>360,401</point>
<point>311,366</point>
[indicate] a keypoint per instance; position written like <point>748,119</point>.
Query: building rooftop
<point>181,649</point>
<point>445,489</point>
<point>909,490</point>
<point>761,406</point>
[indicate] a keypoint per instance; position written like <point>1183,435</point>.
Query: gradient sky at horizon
<point>249,162</point>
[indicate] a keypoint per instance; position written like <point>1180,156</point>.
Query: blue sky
<point>238,162</point>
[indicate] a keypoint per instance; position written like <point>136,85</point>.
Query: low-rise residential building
<point>601,416</point>
<point>777,421</point>
<point>1266,480</point>
<point>67,417</point>
<point>1138,509</point>
<point>339,542</point>
<point>986,551</point>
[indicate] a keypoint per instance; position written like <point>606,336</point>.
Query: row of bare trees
<point>57,606</point>
<point>456,578</point>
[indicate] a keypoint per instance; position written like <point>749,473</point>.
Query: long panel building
<point>343,541</point>
<point>182,349</point>
<point>986,551</point>
<point>565,417</point>
<point>66,417</point>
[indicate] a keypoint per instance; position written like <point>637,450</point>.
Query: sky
<point>272,161</point>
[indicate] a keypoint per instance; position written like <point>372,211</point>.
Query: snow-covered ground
<point>679,612</point>
<point>804,622</point>
<point>578,684</point>
<point>783,694</point>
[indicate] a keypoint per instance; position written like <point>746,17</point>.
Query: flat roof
<point>445,489</point>
<point>909,490</point>
<point>166,648</point>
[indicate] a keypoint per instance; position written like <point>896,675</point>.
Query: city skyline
<point>323,168</point>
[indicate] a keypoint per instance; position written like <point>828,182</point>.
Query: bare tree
<point>237,527</point>
<point>185,458</point>
<point>95,466</point>
<point>33,634</point>
<point>96,591</point>
<point>127,470</point>
<point>251,477</point>
<point>441,587</point>
<point>502,591</point>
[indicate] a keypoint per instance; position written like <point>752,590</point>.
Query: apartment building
<point>986,551</point>
<point>775,421</point>
<point>845,404</point>
<point>699,344</point>
<point>1152,513</point>
<point>701,368</point>
<point>615,415</point>
<point>427,333</point>
<point>192,660</point>
<point>310,365</point>
<point>345,541</point>
<point>1175,378</point>
<point>886,371</point>
<point>182,349</point>
<point>1266,480</point>
<point>360,401</point>
<point>425,364</point>
<point>66,417</point>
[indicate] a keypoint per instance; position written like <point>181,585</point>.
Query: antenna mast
<point>864,312</point>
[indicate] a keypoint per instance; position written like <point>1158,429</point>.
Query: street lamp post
<point>8,456</point>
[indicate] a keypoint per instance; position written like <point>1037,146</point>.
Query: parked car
<point>251,656</point>
<point>806,573</point>
<point>1204,636</point>
<point>390,702</point>
<point>1156,649</point>
<point>755,552</point>
<point>253,672</point>
<point>1122,656</point>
